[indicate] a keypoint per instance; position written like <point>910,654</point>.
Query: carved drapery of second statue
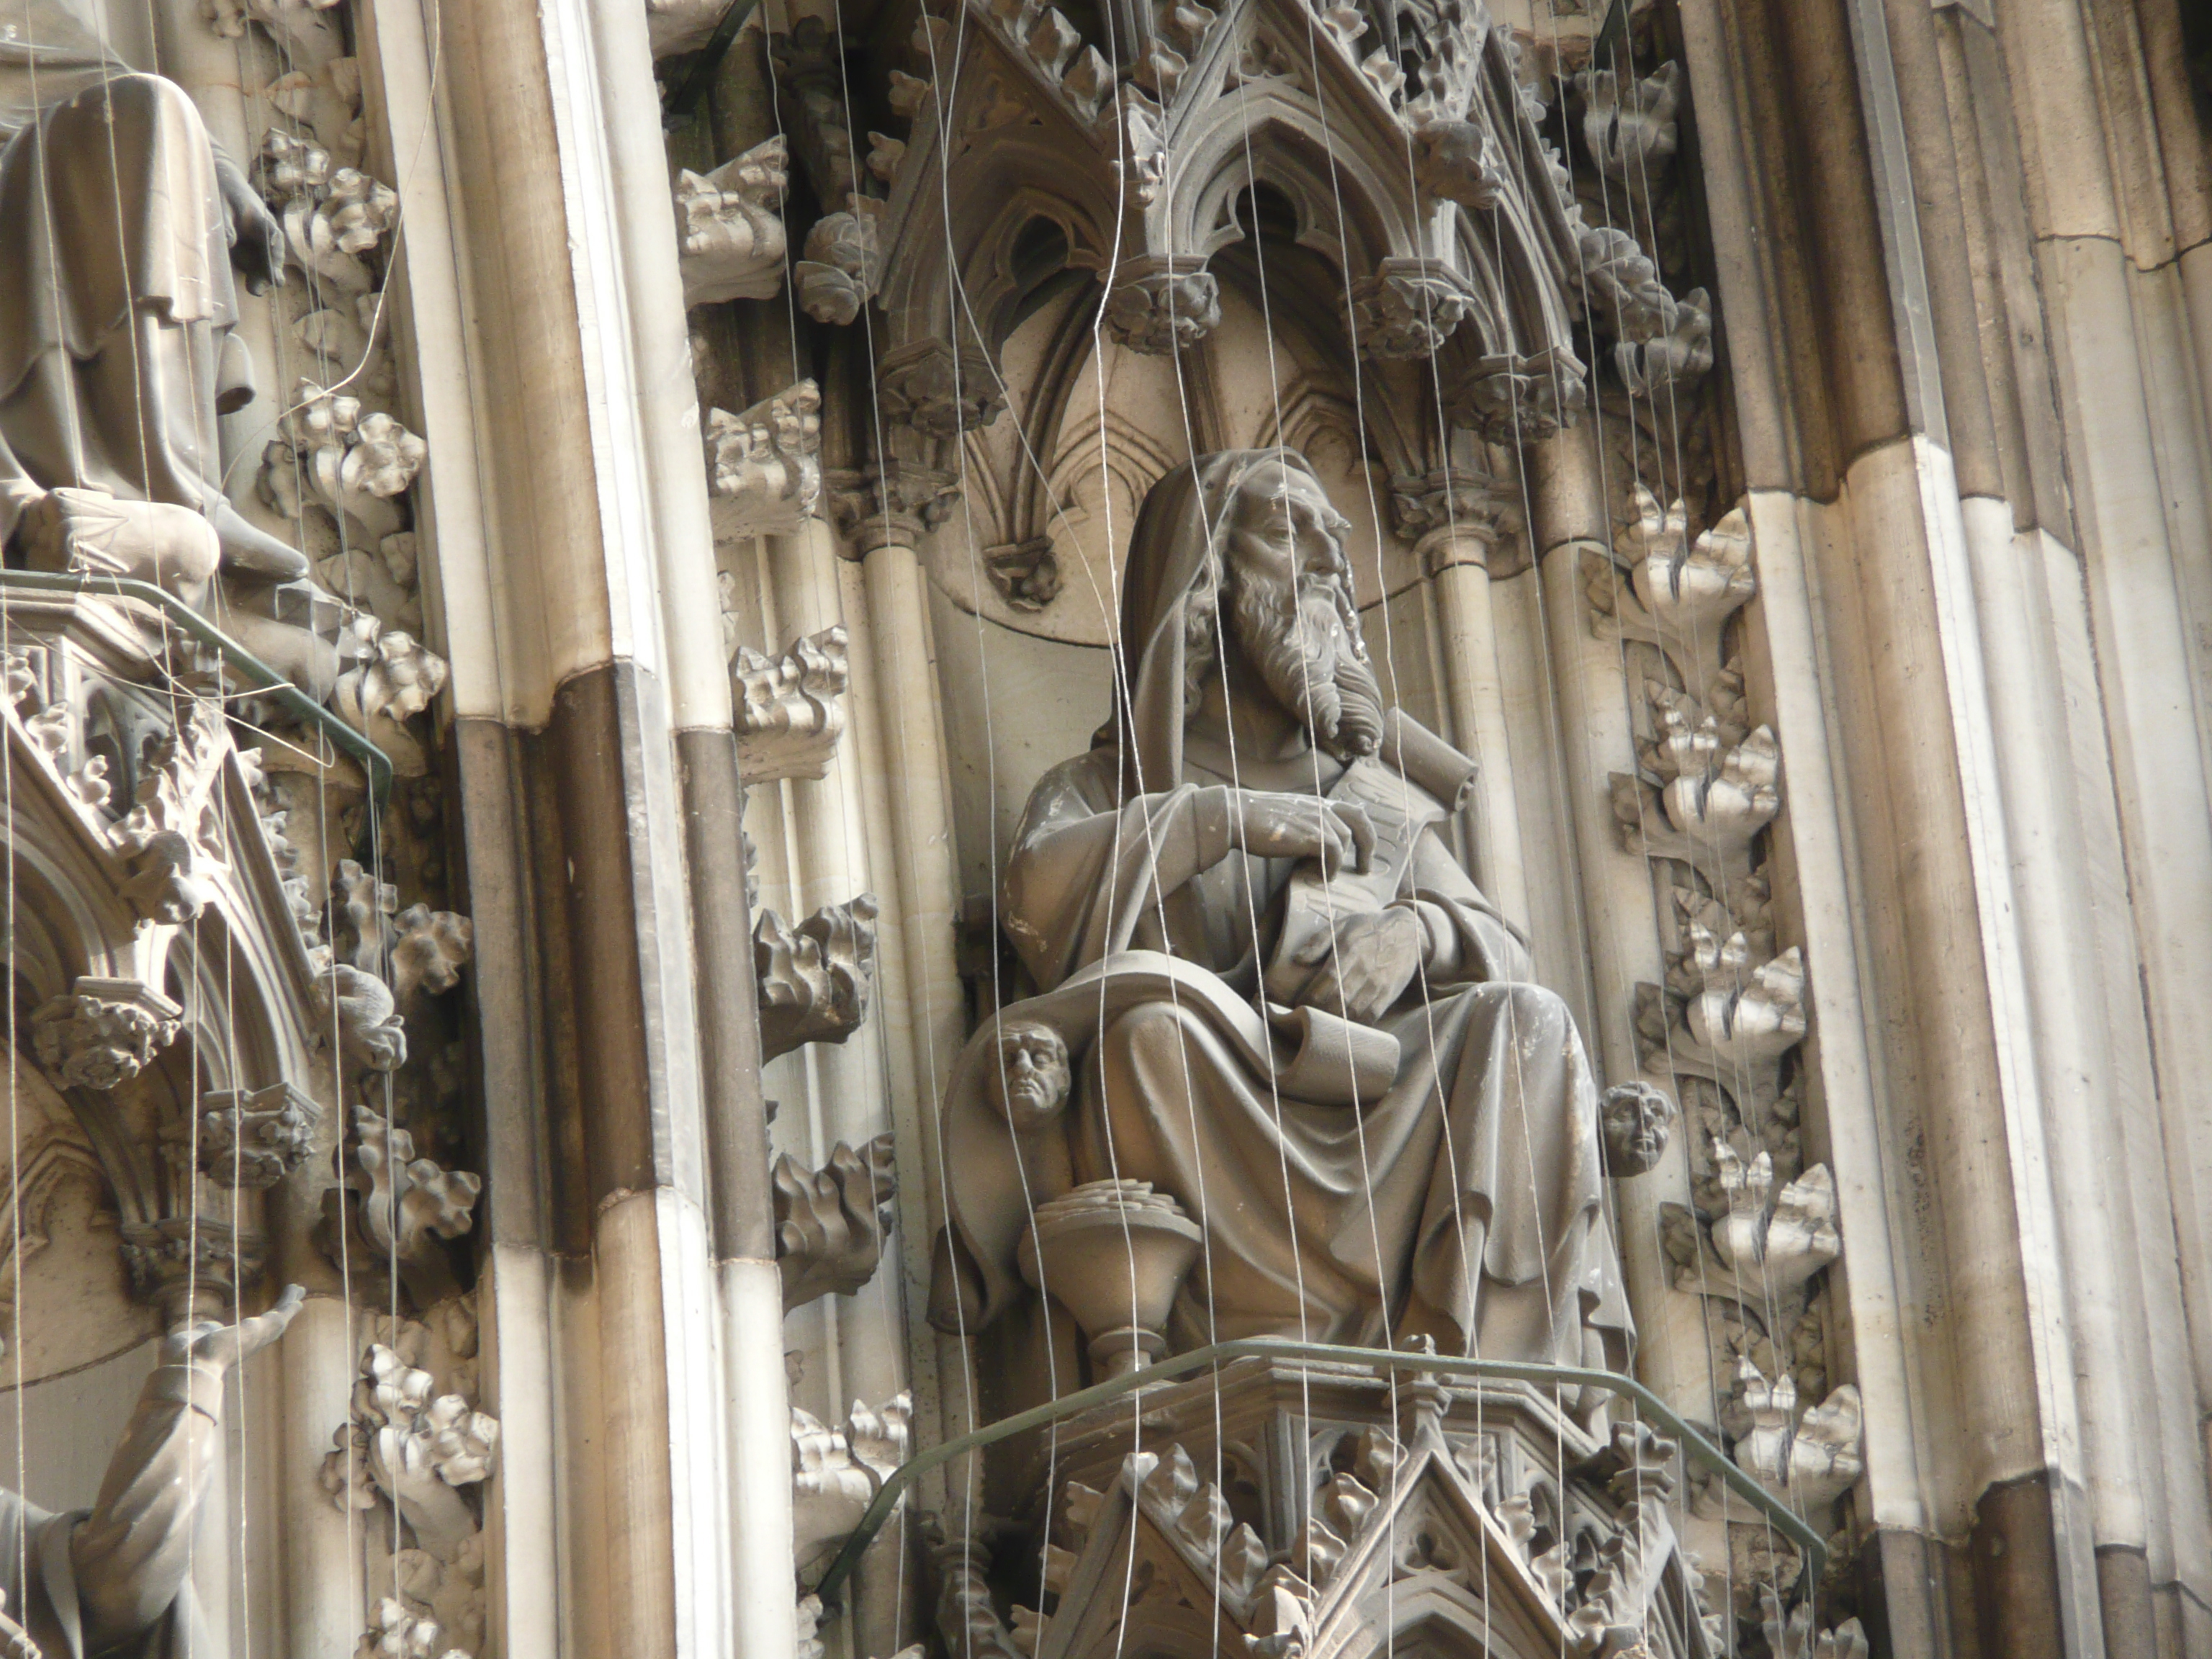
<point>1287,1063</point>
<point>123,220</point>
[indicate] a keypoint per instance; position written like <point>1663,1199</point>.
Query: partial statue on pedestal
<point>1287,1074</point>
<point>115,1580</point>
<point>122,220</point>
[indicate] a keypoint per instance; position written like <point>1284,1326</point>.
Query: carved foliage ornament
<point>1163,305</point>
<point>765,465</point>
<point>1408,308</point>
<point>173,834</point>
<point>815,979</point>
<point>351,462</point>
<point>927,387</point>
<point>407,1200</point>
<point>249,1139</point>
<point>104,1032</point>
<point>837,1472</point>
<point>790,712</point>
<point>830,1223</point>
<point>415,1444</point>
<point>1732,1011</point>
<point>729,226</point>
<point>333,216</point>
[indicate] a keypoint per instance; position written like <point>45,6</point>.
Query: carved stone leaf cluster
<point>1732,1012</point>
<point>729,226</point>
<point>412,1450</point>
<point>831,1223</point>
<point>246,1138</point>
<point>103,1033</point>
<point>790,712</point>
<point>814,979</point>
<point>765,464</point>
<point>837,1472</point>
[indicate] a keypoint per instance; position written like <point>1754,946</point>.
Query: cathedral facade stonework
<point>981,829</point>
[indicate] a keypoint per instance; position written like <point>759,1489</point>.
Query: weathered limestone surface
<point>765,733</point>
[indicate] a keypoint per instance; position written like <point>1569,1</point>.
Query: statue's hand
<point>1375,960</point>
<point>1280,826</point>
<point>212,1347</point>
<point>15,1641</point>
<point>257,238</point>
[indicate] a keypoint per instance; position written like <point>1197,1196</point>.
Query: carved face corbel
<point>1029,1085</point>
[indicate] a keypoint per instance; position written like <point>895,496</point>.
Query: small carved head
<point>1028,1084</point>
<point>1638,1119</point>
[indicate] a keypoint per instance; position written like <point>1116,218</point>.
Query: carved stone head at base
<point>1029,1085</point>
<point>1639,1121</point>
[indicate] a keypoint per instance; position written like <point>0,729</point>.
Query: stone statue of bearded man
<point>1283,1003</point>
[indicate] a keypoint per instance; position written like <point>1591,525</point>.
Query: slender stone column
<point>884,536</point>
<point>1456,518</point>
<point>849,1090</point>
<point>734,1542</point>
<point>637,1320</point>
<point>901,748</point>
<point>1568,517</point>
<point>2138,611</point>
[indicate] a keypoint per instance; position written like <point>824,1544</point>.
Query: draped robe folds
<point>131,1554</point>
<point>117,295</point>
<point>1464,1202</point>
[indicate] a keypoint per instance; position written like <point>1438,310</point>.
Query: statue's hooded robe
<point>1459,1194</point>
<point>114,227</point>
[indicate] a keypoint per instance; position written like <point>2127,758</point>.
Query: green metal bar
<point>1694,1444</point>
<point>1612,34</point>
<point>700,76</point>
<point>374,760</point>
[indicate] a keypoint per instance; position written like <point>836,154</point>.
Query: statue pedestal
<point>1279,1508</point>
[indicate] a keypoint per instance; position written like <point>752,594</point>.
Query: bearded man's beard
<point>1311,659</point>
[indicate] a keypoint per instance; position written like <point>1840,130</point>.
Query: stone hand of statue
<point>214,1348</point>
<point>15,1641</point>
<point>1375,959</point>
<point>257,238</point>
<point>1283,826</point>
